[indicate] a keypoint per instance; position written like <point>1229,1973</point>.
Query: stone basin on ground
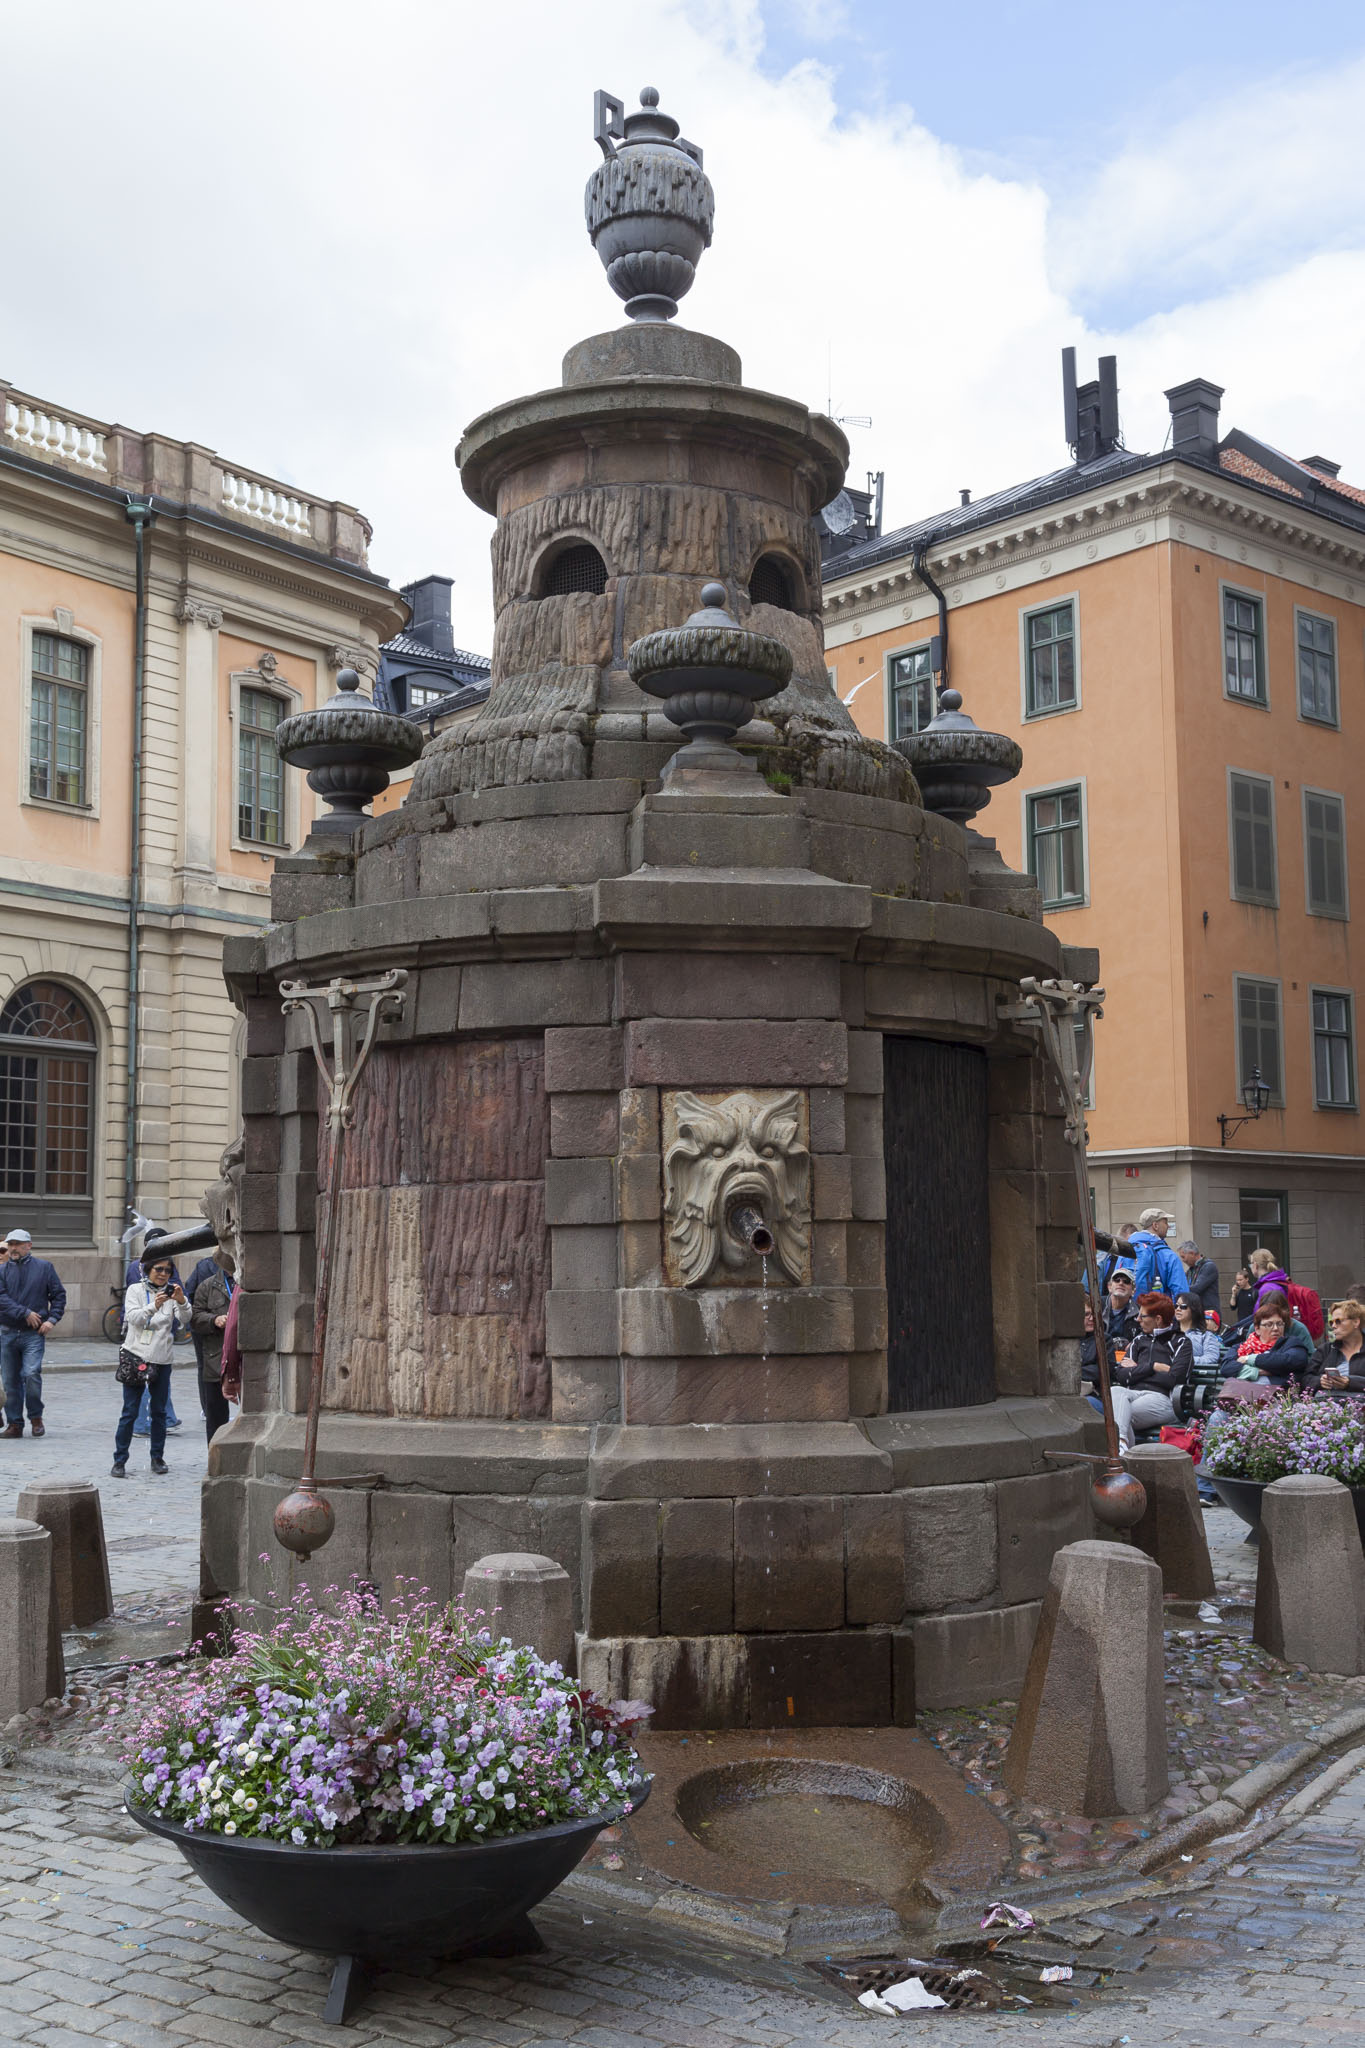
<point>863,1821</point>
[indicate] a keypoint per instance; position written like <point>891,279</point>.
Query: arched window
<point>47,1100</point>
<point>771,581</point>
<point>577,567</point>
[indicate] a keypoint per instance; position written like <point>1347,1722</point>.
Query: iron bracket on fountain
<point>1065,1013</point>
<point>304,1520</point>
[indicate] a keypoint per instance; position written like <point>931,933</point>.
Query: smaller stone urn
<point>649,207</point>
<point>350,748</point>
<point>956,764</point>
<point>709,673</point>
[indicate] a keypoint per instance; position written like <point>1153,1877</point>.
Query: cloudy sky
<point>320,235</point>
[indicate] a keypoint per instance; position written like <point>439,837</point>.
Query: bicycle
<point>112,1324</point>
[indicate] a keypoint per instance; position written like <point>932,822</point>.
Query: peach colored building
<point>1178,642</point>
<point>253,594</point>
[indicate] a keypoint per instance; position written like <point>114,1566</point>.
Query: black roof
<point>1283,478</point>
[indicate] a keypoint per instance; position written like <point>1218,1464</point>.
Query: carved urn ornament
<point>737,1185</point>
<point>349,747</point>
<point>956,764</point>
<point>710,673</point>
<point>649,206</point>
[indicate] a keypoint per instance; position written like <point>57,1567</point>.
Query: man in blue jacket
<point>32,1303</point>
<point>1159,1271</point>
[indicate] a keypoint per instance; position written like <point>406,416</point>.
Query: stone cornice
<point>1173,502</point>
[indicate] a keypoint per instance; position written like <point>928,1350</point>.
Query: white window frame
<point>292,699</point>
<point>1333,916</point>
<point>1031,611</point>
<point>1277,1100</point>
<point>1066,782</point>
<point>897,654</point>
<point>1321,619</point>
<point>1271,902</point>
<point>1256,597</point>
<point>1351,1108</point>
<point>60,622</point>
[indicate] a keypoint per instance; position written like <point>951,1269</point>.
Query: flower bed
<point>357,1724</point>
<point>1289,1434</point>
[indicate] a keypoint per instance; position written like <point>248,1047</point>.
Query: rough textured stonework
<point>442,1251</point>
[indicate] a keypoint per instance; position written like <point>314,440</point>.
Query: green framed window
<point>1251,835</point>
<point>1050,660</point>
<point>1056,846</point>
<point>1334,1051</point>
<point>260,772</point>
<point>1244,647</point>
<point>59,720</point>
<point>1324,851</point>
<point>912,692</point>
<point>1259,1036</point>
<point>1317,660</point>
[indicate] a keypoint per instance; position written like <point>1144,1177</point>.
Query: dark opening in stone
<point>579,567</point>
<point>771,582</point>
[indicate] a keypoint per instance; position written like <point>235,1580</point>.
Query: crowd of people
<point>1168,1331</point>
<point>157,1309</point>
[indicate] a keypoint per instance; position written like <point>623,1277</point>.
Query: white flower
<point>250,1805</point>
<point>509,1800</point>
<point>253,1756</point>
<point>239,1797</point>
<point>229,1827</point>
<point>296,1835</point>
<point>486,1788</point>
<point>502,1774</point>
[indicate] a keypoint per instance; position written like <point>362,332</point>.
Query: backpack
<point>1307,1306</point>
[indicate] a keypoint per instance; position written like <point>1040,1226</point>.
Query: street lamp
<point>1256,1097</point>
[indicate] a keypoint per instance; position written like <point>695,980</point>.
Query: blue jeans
<point>143,1425</point>
<point>157,1391</point>
<point>21,1366</point>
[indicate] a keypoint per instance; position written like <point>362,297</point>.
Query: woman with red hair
<point>1160,1358</point>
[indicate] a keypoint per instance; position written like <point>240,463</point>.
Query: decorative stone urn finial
<point>956,764</point>
<point>349,747</point>
<point>649,206</point>
<point>710,672</point>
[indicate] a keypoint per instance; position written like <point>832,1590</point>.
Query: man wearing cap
<point>32,1303</point>
<point>1158,1270</point>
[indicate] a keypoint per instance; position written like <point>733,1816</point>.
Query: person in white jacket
<point>154,1308</point>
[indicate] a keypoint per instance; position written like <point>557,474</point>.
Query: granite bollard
<point>32,1669</point>
<point>1310,1576</point>
<point>526,1597</point>
<point>1090,1733</point>
<point>69,1509</point>
<point>1171,1530</point>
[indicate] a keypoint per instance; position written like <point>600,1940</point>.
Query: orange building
<point>243,595</point>
<point>1178,643</point>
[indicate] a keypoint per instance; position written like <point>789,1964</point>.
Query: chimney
<point>1194,419</point>
<point>1321,465</point>
<point>1091,410</point>
<point>430,601</point>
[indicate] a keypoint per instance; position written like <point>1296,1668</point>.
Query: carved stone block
<point>731,1159</point>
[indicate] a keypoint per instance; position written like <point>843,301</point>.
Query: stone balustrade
<point>183,472</point>
<point>48,434</point>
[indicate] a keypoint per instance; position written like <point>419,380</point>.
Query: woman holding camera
<point>154,1308</point>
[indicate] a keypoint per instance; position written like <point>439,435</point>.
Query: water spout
<point>746,1223</point>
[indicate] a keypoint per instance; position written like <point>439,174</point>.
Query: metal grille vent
<point>577,568</point>
<point>770,583</point>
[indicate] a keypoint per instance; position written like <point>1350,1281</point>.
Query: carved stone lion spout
<point>736,1175</point>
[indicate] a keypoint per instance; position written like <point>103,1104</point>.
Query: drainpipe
<point>140,515</point>
<point>938,648</point>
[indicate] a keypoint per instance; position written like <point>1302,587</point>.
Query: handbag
<point>1190,1440</point>
<point>132,1371</point>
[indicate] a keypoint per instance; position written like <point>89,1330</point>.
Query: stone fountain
<point>707,1222</point>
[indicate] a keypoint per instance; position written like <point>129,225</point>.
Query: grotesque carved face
<point>222,1202</point>
<point>744,1152</point>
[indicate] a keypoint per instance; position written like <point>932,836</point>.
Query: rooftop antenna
<point>1070,406</point>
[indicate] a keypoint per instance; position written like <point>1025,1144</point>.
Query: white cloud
<point>322,238</point>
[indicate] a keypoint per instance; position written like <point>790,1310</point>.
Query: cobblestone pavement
<point>107,1938</point>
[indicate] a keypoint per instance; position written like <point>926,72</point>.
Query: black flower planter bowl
<point>1244,1496</point>
<point>389,1903</point>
